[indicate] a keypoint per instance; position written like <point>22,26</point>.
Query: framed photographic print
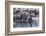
<point>24,18</point>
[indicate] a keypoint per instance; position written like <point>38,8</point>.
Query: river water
<point>35,23</point>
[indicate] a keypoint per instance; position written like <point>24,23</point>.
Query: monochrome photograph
<point>25,17</point>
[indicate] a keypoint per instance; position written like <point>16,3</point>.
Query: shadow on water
<point>35,23</point>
